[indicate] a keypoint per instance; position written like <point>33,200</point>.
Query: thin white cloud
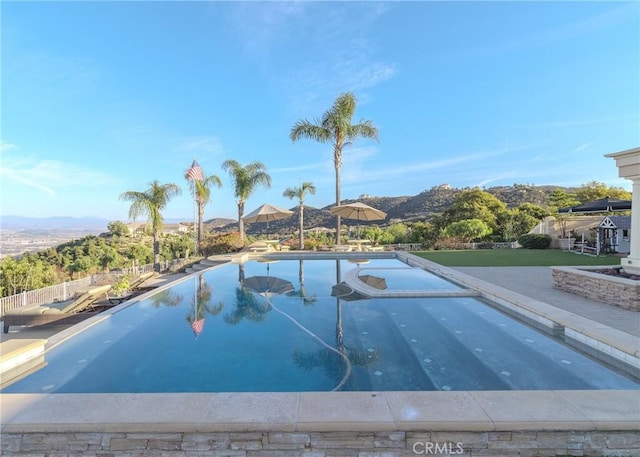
<point>620,12</point>
<point>498,178</point>
<point>401,171</point>
<point>296,169</point>
<point>206,145</point>
<point>50,175</point>
<point>260,24</point>
<point>581,148</point>
<point>52,76</point>
<point>571,123</point>
<point>338,56</point>
<point>6,147</point>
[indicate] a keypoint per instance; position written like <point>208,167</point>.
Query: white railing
<point>405,246</point>
<point>66,290</point>
<point>51,294</point>
<point>132,272</point>
<point>492,245</point>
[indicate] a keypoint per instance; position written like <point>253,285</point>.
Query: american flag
<point>195,172</point>
<point>197,326</point>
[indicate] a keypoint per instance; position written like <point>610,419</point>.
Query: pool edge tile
<point>332,411</point>
<point>515,410</point>
<point>438,411</point>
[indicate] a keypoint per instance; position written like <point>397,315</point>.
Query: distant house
<point>180,228</point>
<point>138,228</point>
<point>578,226</point>
<point>607,234</point>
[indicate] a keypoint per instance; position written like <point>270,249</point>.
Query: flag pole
<point>195,174</point>
<point>195,218</point>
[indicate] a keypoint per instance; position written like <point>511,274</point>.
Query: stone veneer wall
<point>323,444</point>
<point>611,290</point>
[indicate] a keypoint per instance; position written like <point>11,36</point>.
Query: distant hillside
<point>17,223</point>
<point>419,207</point>
<point>217,222</point>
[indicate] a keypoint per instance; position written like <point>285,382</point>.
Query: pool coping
<point>595,410</point>
<point>322,411</point>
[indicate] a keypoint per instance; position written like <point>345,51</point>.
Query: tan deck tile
<point>531,410</point>
<point>335,411</point>
<point>608,409</point>
<point>437,411</point>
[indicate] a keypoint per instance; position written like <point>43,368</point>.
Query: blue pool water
<point>285,331</point>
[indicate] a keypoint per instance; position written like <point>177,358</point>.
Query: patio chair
<point>68,312</point>
<point>137,282</point>
<point>259,246</point>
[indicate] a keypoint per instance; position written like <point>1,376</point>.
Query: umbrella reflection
<point>344,292</point>
<point>248,306</point>
<point>374,281</point>
<point>267,286</point>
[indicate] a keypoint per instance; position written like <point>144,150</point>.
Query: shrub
<point>450,244</point>
<point>221,244</point>
<point>535,241</point>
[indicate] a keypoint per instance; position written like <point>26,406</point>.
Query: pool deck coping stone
<point>322,411</point>
<point>595,410</point>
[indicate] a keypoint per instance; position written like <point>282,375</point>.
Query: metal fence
<point>66,290</point>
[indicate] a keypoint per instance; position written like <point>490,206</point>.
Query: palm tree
<point>201,188</point>
<point>245,181</point>
<point>150,203</point>
<point>299,192</point>
<point>335,127</point>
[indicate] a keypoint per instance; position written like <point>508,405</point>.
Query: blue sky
<point>103,97</point>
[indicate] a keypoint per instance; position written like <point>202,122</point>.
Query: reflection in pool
<point>275,326</point>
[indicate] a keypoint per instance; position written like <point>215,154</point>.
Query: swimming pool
<point>308,325</point>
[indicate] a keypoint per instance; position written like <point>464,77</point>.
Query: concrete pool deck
<point>321,424</point>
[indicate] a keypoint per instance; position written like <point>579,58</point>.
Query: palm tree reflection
<point>302,290</point>
<point>166,297</point>
<point>326,359</point>
<point>247,306</point>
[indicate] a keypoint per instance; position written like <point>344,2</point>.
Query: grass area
<point>514,258</point>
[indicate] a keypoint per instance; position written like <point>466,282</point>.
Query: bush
<point>450,244</point>
<point>221,244</point>
<point>535,241</point>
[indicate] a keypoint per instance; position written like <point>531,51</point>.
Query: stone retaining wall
<point>611,290</point>
<point>323,444</point>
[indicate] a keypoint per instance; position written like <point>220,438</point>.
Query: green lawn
<point>514,258</point>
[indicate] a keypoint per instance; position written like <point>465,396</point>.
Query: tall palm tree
<point>150,203</point>
<point>299,193</point>
<point>201,188</point>
<point>246,179</point>
<point>335,127</point>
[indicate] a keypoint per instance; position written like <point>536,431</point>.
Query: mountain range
<point>405,208</point>
<point>421,206</point>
